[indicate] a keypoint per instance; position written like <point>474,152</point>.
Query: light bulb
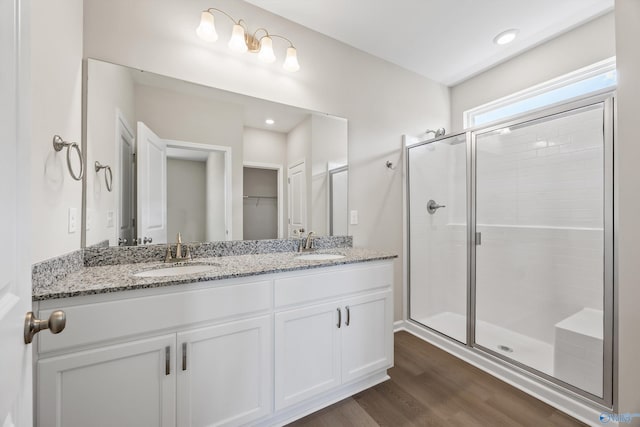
<point>207,29</point>
<point>291,61</point>
<point>266,50</point>
<point>236,42</point>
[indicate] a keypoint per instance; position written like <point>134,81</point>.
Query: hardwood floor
<point>429,387</point>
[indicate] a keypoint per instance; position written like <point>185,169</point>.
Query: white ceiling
<point>445,40</point>
<point>255,110</point>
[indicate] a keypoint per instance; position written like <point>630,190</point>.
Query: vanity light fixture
<point>243,41</point>
<point>506,37</point>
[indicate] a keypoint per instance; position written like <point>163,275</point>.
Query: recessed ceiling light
<point>269,121</point>
<point>506,37</point>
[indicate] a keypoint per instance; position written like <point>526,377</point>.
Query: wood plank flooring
<point>429,387</point>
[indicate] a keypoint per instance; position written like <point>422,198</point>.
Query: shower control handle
<point>432,206</point>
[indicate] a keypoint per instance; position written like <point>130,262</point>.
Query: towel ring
<point>59,144</point>
<point>108,175</point>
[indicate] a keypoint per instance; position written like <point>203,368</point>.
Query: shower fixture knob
<point>432,206</point>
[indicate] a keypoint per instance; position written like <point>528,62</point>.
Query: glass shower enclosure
<point>510,239</point>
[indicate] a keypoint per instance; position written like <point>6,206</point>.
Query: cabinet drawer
<point>102,321</point>
<point>346,280</point>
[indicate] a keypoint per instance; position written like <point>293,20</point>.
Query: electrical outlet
<point>354,218</point>
<point>73,220</point>
<point>109,219</point>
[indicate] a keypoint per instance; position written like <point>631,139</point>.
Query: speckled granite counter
<point>120,277</point>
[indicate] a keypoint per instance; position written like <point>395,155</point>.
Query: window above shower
<point>591,80</point>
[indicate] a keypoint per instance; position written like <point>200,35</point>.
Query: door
<point>126,183</point>
<point>130,384</point>
<point>297,199</point>
<point>152,185</point>
<point>15,283</point>
<point>437,233</point>
<point>543,214</point>
<point>225,373</point>
<point>367,335</point>
<point>307,353</point>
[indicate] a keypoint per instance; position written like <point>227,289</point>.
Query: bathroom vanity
<point>256,340</point>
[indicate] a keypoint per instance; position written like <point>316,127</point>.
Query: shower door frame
<point>608,101</point>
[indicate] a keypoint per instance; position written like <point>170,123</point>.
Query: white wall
<point>328,150</point>
<point>628,155</point>
<point>109,88</point>
<point>172,115</point>
<point>578,48</point>
<point>381,101</point>
<point>56,100</point>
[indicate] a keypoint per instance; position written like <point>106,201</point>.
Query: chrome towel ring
<point>59,144</point>
<point>108,175</point>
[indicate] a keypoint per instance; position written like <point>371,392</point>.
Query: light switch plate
<point>73,220</point>
<point>109,219</point>
<point>89,219</point>
<point>354,218</point>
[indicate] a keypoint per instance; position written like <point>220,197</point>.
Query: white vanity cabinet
<point>323,345</point>
<point>224,373</point>
<point>260,350</point>
<point>104,371</point>
<point>126,384</point>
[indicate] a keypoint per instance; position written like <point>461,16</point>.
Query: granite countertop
<point>120,277</point>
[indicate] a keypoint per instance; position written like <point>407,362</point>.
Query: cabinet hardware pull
<point>339,317</point>
<point>348,316</point>
<point>167,360</point>
<point>184,356</point>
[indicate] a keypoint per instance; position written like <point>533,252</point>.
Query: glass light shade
<point>207,29</point>
<point>291,61</point>
<point>266,50</point>
<point>236,42</point>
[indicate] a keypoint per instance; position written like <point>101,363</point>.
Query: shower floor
<point>526,350</point>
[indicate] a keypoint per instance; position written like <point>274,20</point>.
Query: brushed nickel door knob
<point>56,323</point>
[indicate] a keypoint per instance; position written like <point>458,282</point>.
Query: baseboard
<point>573,406</point>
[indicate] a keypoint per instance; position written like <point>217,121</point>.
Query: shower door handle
<point>432,206</point>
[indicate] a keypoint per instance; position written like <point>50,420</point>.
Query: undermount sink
<point>176,270</point>
<point>318,257</point>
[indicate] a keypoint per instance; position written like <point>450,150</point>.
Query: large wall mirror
<point>167,156</point>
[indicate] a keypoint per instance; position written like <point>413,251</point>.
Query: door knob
<point>56,323</point>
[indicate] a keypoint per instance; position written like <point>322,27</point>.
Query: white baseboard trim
<point>574,406</point>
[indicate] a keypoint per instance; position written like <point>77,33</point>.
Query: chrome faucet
<point>178,257</point>
<point>309,242</point>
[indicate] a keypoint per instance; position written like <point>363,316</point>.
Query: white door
<point>15,283</point>
<point>130,384</point>
<point>307,353</point>
<point>152,185</point>
<point>225,373</point>
<point>126,183</point>
<point>297,199</point>
<point>367,335</point>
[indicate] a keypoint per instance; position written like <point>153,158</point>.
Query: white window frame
<point>602,67</point>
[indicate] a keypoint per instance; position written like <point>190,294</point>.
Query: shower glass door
<point>542,220</point>
<point>437,210</point>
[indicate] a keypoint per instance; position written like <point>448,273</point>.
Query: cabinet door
<point>367,339</point>
<point>225,373</point>
<point>130,384</point>
<point>307,353</point>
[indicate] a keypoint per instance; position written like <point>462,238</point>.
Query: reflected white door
<point>152,185</point>
<point>126,214</point>
<point>297,198</point>
<point>15,284</point>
